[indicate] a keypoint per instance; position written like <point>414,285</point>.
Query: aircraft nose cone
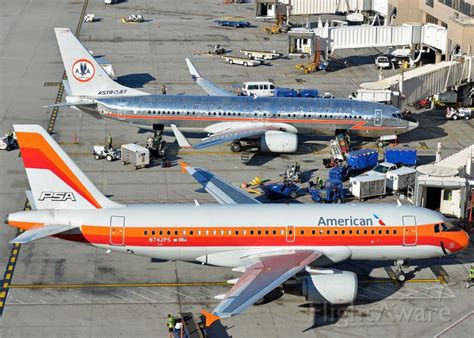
<point>6,219</point>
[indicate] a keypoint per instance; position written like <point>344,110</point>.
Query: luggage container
<point>400,179</point>
<point>309,93</point>
<point>401,156</point>
<point>135,154</point>
<point>363,159</point>
<point>363,187</point>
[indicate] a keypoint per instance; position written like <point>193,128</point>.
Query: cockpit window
<point>446,226</point>
<point>436,228</point>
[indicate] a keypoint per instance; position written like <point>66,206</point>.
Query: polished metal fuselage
<point>300,115</point>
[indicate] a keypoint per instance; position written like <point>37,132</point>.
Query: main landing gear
<point>400,264</point>
<point>236,147</point>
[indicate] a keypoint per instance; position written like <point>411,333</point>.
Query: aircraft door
<point>117,230</point>
<point>377,117</point>
<point>290,233</point>
<point>121,110</point>
<point>410,230</point>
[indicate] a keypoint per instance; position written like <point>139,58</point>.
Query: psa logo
<point>57,196</point>
<point>83,70</point>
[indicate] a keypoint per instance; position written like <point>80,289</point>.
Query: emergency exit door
<point>117,230</point>
<point>410,230</point>
<point>377,117</point>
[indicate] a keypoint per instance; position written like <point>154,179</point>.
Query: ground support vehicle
<point>286,189</point>
<point>109,153</point>
<point>458,113</point>
<point>399,156</point>
<point>8,143</point>
<point>259,54</point>
<point>332,192</point>
<point>241,61</point>
<point>233,22</point>
<point>361,160</point>
<point>400,179</point>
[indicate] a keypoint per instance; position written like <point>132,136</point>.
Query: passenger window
<point>343,232</point>
<point>244,232</point>
<point>302,232</point>
<point>229,232</point>
<point>153,232</point>
<point>222,232</point>
<point>236,232</point>
<point>266,232</point>
<point>259,232</point>
<point>350,232</point>
<point>167,232</point>
<point>335,232</point>
<point>313,232</point>
<point>184,232</point>
<point>387,232</point>
<point>394,232</point>
<point>328,232</point>
<point>251,232</point>
<point>373,232</point>
<point>358,232</point>
<point>380,232</point>
<point>274,232</point>
<point>282,232</point>
<point>176,232</point>
<point>191,232</point>
<point>290,232</point>
<point>145,232</point>
<point>161,232</point>
<point>365,232</point>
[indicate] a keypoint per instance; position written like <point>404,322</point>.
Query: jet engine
<point>279,142</point>
<point>336,287</point>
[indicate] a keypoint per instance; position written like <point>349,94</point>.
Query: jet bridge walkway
<point>427,80</point>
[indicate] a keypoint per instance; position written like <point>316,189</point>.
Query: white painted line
<point>454,324</point>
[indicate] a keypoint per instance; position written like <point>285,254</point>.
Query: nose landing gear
<point>400,264</point>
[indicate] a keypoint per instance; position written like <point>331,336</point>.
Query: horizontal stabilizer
<point>42,232</point>
<point>31,200</point>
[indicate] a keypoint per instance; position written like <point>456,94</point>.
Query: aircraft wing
<point>41,232</point>
<point>234,134</point>
<point>210,88</point>
<point>263,273</point>
<point>222,191</point>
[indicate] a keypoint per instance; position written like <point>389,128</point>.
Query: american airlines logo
<point>57,196</point>
<point>350,221</point>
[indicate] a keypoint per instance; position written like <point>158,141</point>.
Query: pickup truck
<point>381,169</point>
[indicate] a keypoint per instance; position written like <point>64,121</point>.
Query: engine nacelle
<point>337,288</point>
<point>279,142</point>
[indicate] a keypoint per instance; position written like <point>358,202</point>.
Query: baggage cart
<point>135,154</point>
<point>363,187</point>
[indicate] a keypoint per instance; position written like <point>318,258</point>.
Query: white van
<point>258,88</point>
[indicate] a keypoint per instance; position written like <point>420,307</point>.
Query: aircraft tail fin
<point>55,180</point>
<point>85,75</point>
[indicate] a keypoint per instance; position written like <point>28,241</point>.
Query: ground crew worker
<point>170,324</point>
<point>163,89</point>
<point>471,277</point>
<point>109,141</point>
<point>9,135</point>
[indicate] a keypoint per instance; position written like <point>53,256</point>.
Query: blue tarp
<point>403,156</point>
<point>363,159</point>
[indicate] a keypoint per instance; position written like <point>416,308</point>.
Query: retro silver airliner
<point>271,123</point>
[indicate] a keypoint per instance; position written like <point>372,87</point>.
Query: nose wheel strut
<point>399,266</point>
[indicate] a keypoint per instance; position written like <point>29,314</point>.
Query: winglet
<point>182,141</point>
<point>183,165</point>
<point>209,318</point>
<point>192,70</point>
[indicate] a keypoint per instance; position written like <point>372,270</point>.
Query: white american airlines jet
<point>268,243</point>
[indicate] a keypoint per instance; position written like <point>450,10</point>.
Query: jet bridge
<point>410,35</point>
<point>427,80</point>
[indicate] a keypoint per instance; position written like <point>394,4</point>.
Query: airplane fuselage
<point>296,115</point>
<point>186,232</point>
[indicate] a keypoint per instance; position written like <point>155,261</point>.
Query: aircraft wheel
<point>236,147</point>
<point>401,277</point>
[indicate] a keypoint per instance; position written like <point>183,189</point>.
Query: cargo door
<point>377,117</point>
<point>117,230</point>
<point>410,230</point>
<point>290,233</point>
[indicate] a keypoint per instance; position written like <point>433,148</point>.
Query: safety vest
<point>171,322</point>
<point>471,273</point>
